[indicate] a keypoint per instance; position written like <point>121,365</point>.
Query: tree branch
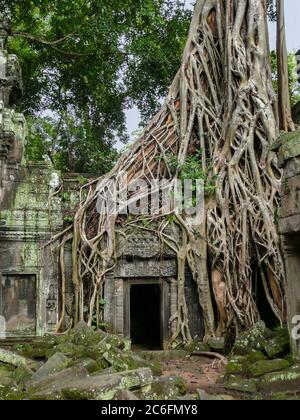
<point>51,44</point>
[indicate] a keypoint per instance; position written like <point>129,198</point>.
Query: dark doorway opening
<point>145,316</point>
<point>263,305</point>
<point>18,304</point>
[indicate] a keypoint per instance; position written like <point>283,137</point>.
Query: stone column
<point>173,303</point>
<point>292,265</point>
<point>289,225</point>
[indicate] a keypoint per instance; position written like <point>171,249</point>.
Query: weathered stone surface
<point>6,374</point>
<point>39,349</point>
<point>291,169</point>
<point>143,244</point>
<point>290,147</point>
<point>13,359</point>
<point>296,113</point>
<point>197,346</point>
<point>251,340</point>
<point>204,396</point>
<point>188,397</point>
<point>21,375</point>
<point>256,356</point>
<point>267,366</point>
<point>55,364</point>
<point>165,354</point>
<point>146,268</point>
<point>101,387</point>
<point>241,385</point>
<point>277,346</point>
<point>166,389</point>
<point>284,396</point>
<point>290,198</point>
<point>288,380</point>
<point>25,226</point>
<point>237,365</point>
<point>289,225</point>
<point>55,382</point>
<point>217,344</point>
<point>126,396</point>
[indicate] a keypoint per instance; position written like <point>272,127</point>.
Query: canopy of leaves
<point>84,62</point>
<point>294,86</point>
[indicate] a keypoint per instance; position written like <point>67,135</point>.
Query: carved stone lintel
<point>146,269</point>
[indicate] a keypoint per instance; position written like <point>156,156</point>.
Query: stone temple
<point>29,272</point>
<point>141,292</point>
<point>32,211</point>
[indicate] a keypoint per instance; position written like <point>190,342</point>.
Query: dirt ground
<point>199,373</point>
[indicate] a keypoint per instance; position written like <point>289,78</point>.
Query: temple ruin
<point>140,296</point>
<point>32,211</point>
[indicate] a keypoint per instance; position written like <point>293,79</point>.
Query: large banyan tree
<point>220,109</point>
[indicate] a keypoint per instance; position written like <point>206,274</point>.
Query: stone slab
<point>146,269</point>
<point>100,387</point>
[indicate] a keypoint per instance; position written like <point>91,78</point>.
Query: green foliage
<point>84,63</point>
<point>69,219</point>
<point>192,169</point>
<point>69,144</point>
<point>293,82</point>
<point>65,196</point>
<point>82,180</point>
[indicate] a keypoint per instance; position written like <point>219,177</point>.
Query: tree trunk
<point>284,100</point>
<point>221,104</point>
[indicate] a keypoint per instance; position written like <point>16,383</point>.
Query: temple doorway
<point>145,316</point>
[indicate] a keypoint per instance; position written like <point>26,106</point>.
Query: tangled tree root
<point>220,103</point>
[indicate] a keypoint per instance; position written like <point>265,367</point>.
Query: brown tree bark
<point>284,99</point>
<point>221,104</point>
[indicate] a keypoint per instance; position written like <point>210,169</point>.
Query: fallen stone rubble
<point>91,365</point>
<point>83,364</point>
<point>261,364</point>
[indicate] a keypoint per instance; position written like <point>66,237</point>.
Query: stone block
<point>289,225</point>
<point>248,386</point>
<point>288,380</point>
<point>237,365</point>
<point>251,340</point>
<point>277,346</point>
<point>290,147</point>
<point>100,387</point>
<point>55,364</point>
<point>267,366</point>
<point>292,168</point>
<point>217,344</point>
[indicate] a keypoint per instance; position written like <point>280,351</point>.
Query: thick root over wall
<point>222,104</point>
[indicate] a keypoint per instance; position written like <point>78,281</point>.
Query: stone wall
<point>142,260</point>
<point>28,219</point>
<point>289,224</point>
<point>12,124</point>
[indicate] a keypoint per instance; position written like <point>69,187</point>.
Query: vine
<point>222,103</point>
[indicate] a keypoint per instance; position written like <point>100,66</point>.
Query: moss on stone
<point>256,356</point>
<point>290,147</point>
<point>196,346</point>
<point>288,380</point>
<point>248,386</point>
<point>22,375</point>
<point>237,365</point>
<point>278,345</point>
<point>166,389</point>
<point>266,366</point>
<point>251,340</point>
<point>11,394</point>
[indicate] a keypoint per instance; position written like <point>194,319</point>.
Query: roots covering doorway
<point>145,316</point>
